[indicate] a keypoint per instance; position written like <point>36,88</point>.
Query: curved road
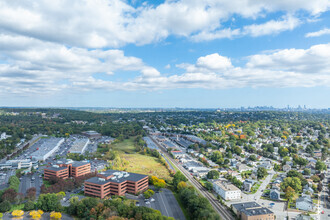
<point>222,211</point>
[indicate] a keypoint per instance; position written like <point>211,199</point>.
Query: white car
<point>148,203</point>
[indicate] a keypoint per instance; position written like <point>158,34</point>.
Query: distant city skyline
<point>185,53</point>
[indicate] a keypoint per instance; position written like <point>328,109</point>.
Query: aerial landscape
<point>167,109</point>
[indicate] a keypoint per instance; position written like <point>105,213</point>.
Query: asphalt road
<point>27,182</point>
<point>222,211</point>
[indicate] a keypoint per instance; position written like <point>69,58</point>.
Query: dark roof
<point>56,168</point>
<point>256,211</point>
<point>79,163</point>
<point>134,177</point>
<point>245,205</point>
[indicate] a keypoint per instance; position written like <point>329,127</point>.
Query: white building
<point>47,149</point>
<point>19,164</point>
<point>3,136</point>
<point>79,146</point>
<point>226,190</point>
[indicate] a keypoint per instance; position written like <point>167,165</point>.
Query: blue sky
<point>188,53</point>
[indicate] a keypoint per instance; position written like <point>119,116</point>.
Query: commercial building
<point>226,190</point>
<point>67,169</point>
<point>47,149</point>
<point>113,182</point>
<point>56,171</point>
<point>252,211</point>
<point>79,146</point>
<point>91,134</point>
<point>77,169</point>
<point>19,164</point>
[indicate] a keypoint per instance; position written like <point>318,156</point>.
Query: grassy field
<point>126,146</point>
<point>138,163</point>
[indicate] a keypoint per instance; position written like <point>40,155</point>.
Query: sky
<point>175,53</point>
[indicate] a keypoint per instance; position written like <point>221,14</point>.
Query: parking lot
<point>164,201</point>
<point>28,181</point>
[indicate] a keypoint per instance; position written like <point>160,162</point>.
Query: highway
<point>222,211</point>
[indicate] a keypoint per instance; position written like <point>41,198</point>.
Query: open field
<point>136,162</point>
<point>126,146</point>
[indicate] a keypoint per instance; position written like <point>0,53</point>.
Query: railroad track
<point>222,211</point>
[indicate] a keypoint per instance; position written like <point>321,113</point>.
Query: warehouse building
<point>79,146</point>
<point>69,169</point>
<point>113,182</point>
<point>91,134</point>
<point>47,149</point>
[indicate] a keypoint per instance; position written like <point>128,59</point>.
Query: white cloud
<point>271,27</point>
<point>35,67</point>
<point>214,62</point>
<point>105,23</point>
<point>319,33</point>
<point>255,30</point>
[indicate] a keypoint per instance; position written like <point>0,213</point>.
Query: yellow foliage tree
<point>55,215</point>
<point>17,213</point>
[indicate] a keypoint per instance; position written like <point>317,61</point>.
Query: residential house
<point>247,185</point>
<point>274,194</point>
<point>286,168</point>
<point>305,203</point>
<point>242,167</point>
<point>266,164</point>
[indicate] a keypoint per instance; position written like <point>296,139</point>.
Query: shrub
<point>5,206</point>
<point>29,205</point>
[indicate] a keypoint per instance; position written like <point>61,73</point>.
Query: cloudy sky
<point>174,53</point>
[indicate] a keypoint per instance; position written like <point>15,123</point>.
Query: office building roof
<point>117,177</point>
<point>256,211</point>
<point>56,168</point>
<point>79,163</point>
<point>244,205</point>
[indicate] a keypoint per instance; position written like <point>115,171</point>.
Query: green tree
<point>293,182</point>
<point>5,206</point>
<point>49,202</point>
<point>178,177</point>
<point>307,171</point>
<point>208,186</point>
<point>262,172</point>
<point>213,174</point>
<point>181,185</point>
<point>320,166</point>
<point>253,157</point>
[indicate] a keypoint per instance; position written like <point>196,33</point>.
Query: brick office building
<point>113,182</point>
<point>65,170</point>
<point>77,169</point>
<point>252,211</point>
<point>56,171</point>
